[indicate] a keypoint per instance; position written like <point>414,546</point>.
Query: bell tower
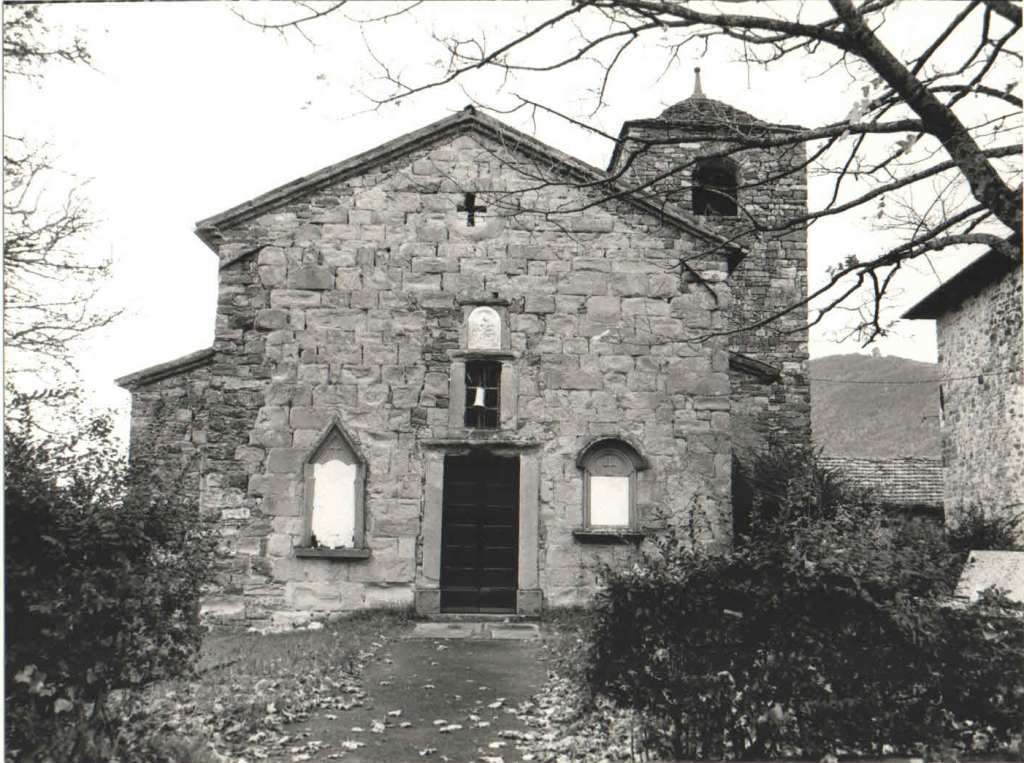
<point>713,162</point>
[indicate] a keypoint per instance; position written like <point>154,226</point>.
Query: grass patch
<point>248,686</point>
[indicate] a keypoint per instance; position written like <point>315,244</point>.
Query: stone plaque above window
<point>483,329</point>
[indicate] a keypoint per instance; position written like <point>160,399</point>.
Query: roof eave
<point>164,370</point>
<point>699,125</point>
<point>987,268</point>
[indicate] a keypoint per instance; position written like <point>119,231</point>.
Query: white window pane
<point>609,501</point>
<point>334,503</point>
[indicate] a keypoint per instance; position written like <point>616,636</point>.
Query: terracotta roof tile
<point>899,482</point>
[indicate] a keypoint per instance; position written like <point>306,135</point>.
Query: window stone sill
<point>483,354</point>
<point>607,535</point>
<point>304,552</point>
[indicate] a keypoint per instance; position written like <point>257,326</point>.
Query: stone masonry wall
<point>348,305</point>
<point>980,356</point>
<point>772,277</point>
<point>169,428</point>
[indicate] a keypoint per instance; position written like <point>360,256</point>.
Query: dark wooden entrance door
<point>480,534</point>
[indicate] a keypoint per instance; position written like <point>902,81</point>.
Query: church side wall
<point>168,429</point>
<point>352,306</point>
<point>980,355</point>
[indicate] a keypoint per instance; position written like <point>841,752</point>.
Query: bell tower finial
<point>698,92</point>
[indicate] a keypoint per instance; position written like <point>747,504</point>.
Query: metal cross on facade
<point>470,208</point>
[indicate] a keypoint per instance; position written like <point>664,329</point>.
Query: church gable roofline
<point>164,370</point>
<point>469,119</point>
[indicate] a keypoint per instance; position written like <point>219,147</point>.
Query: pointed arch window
<point>335,481</point>
<point>715,188</point>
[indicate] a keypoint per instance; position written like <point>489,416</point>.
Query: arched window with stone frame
<point>610,468</point>
<point>334,486</point>
<point>715,188</point>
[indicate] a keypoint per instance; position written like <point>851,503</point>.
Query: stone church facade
<point>462,370</point>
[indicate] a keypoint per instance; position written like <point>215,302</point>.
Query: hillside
<point>888,420</point>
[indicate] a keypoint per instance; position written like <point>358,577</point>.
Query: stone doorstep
<point>478,630</point>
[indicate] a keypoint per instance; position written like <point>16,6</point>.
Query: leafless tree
<point>49,284</point>
<point>931,146</point>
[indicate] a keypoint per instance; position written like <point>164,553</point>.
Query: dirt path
<point>434,700</point>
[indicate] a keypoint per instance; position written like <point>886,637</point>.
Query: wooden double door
<point>480,533</point>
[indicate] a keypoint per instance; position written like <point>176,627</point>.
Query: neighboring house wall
<point>982,396</point>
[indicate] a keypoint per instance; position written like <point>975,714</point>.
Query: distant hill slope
<point>887,420</point>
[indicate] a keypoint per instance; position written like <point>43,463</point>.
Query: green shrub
<point>104,574</point>
<point>826,631</point>
<point>975,529</point>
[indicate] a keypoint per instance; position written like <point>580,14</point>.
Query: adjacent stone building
<point>979,314</point>
<point>462,369</point>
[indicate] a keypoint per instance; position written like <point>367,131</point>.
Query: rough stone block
<point>603,307</point>
<point>324,596</point>
<point>696,383</point>
<point>539,303</point>
<point>314,373</point>
<point>584,283</point>
<point>294,298</point>
<point>279,545</point>
<point>271,319</point>
<point>310,277</point>
<point>273,275</point>
<point>285,460</point>
<point>389,596</point>
<point>271,485</point>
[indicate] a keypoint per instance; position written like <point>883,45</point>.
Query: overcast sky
<point>187,111</point>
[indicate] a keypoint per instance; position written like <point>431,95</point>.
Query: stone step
<point>476,617</point>
<point>482,630</point>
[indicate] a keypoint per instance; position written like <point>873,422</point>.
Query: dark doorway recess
<point>480,533</point>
